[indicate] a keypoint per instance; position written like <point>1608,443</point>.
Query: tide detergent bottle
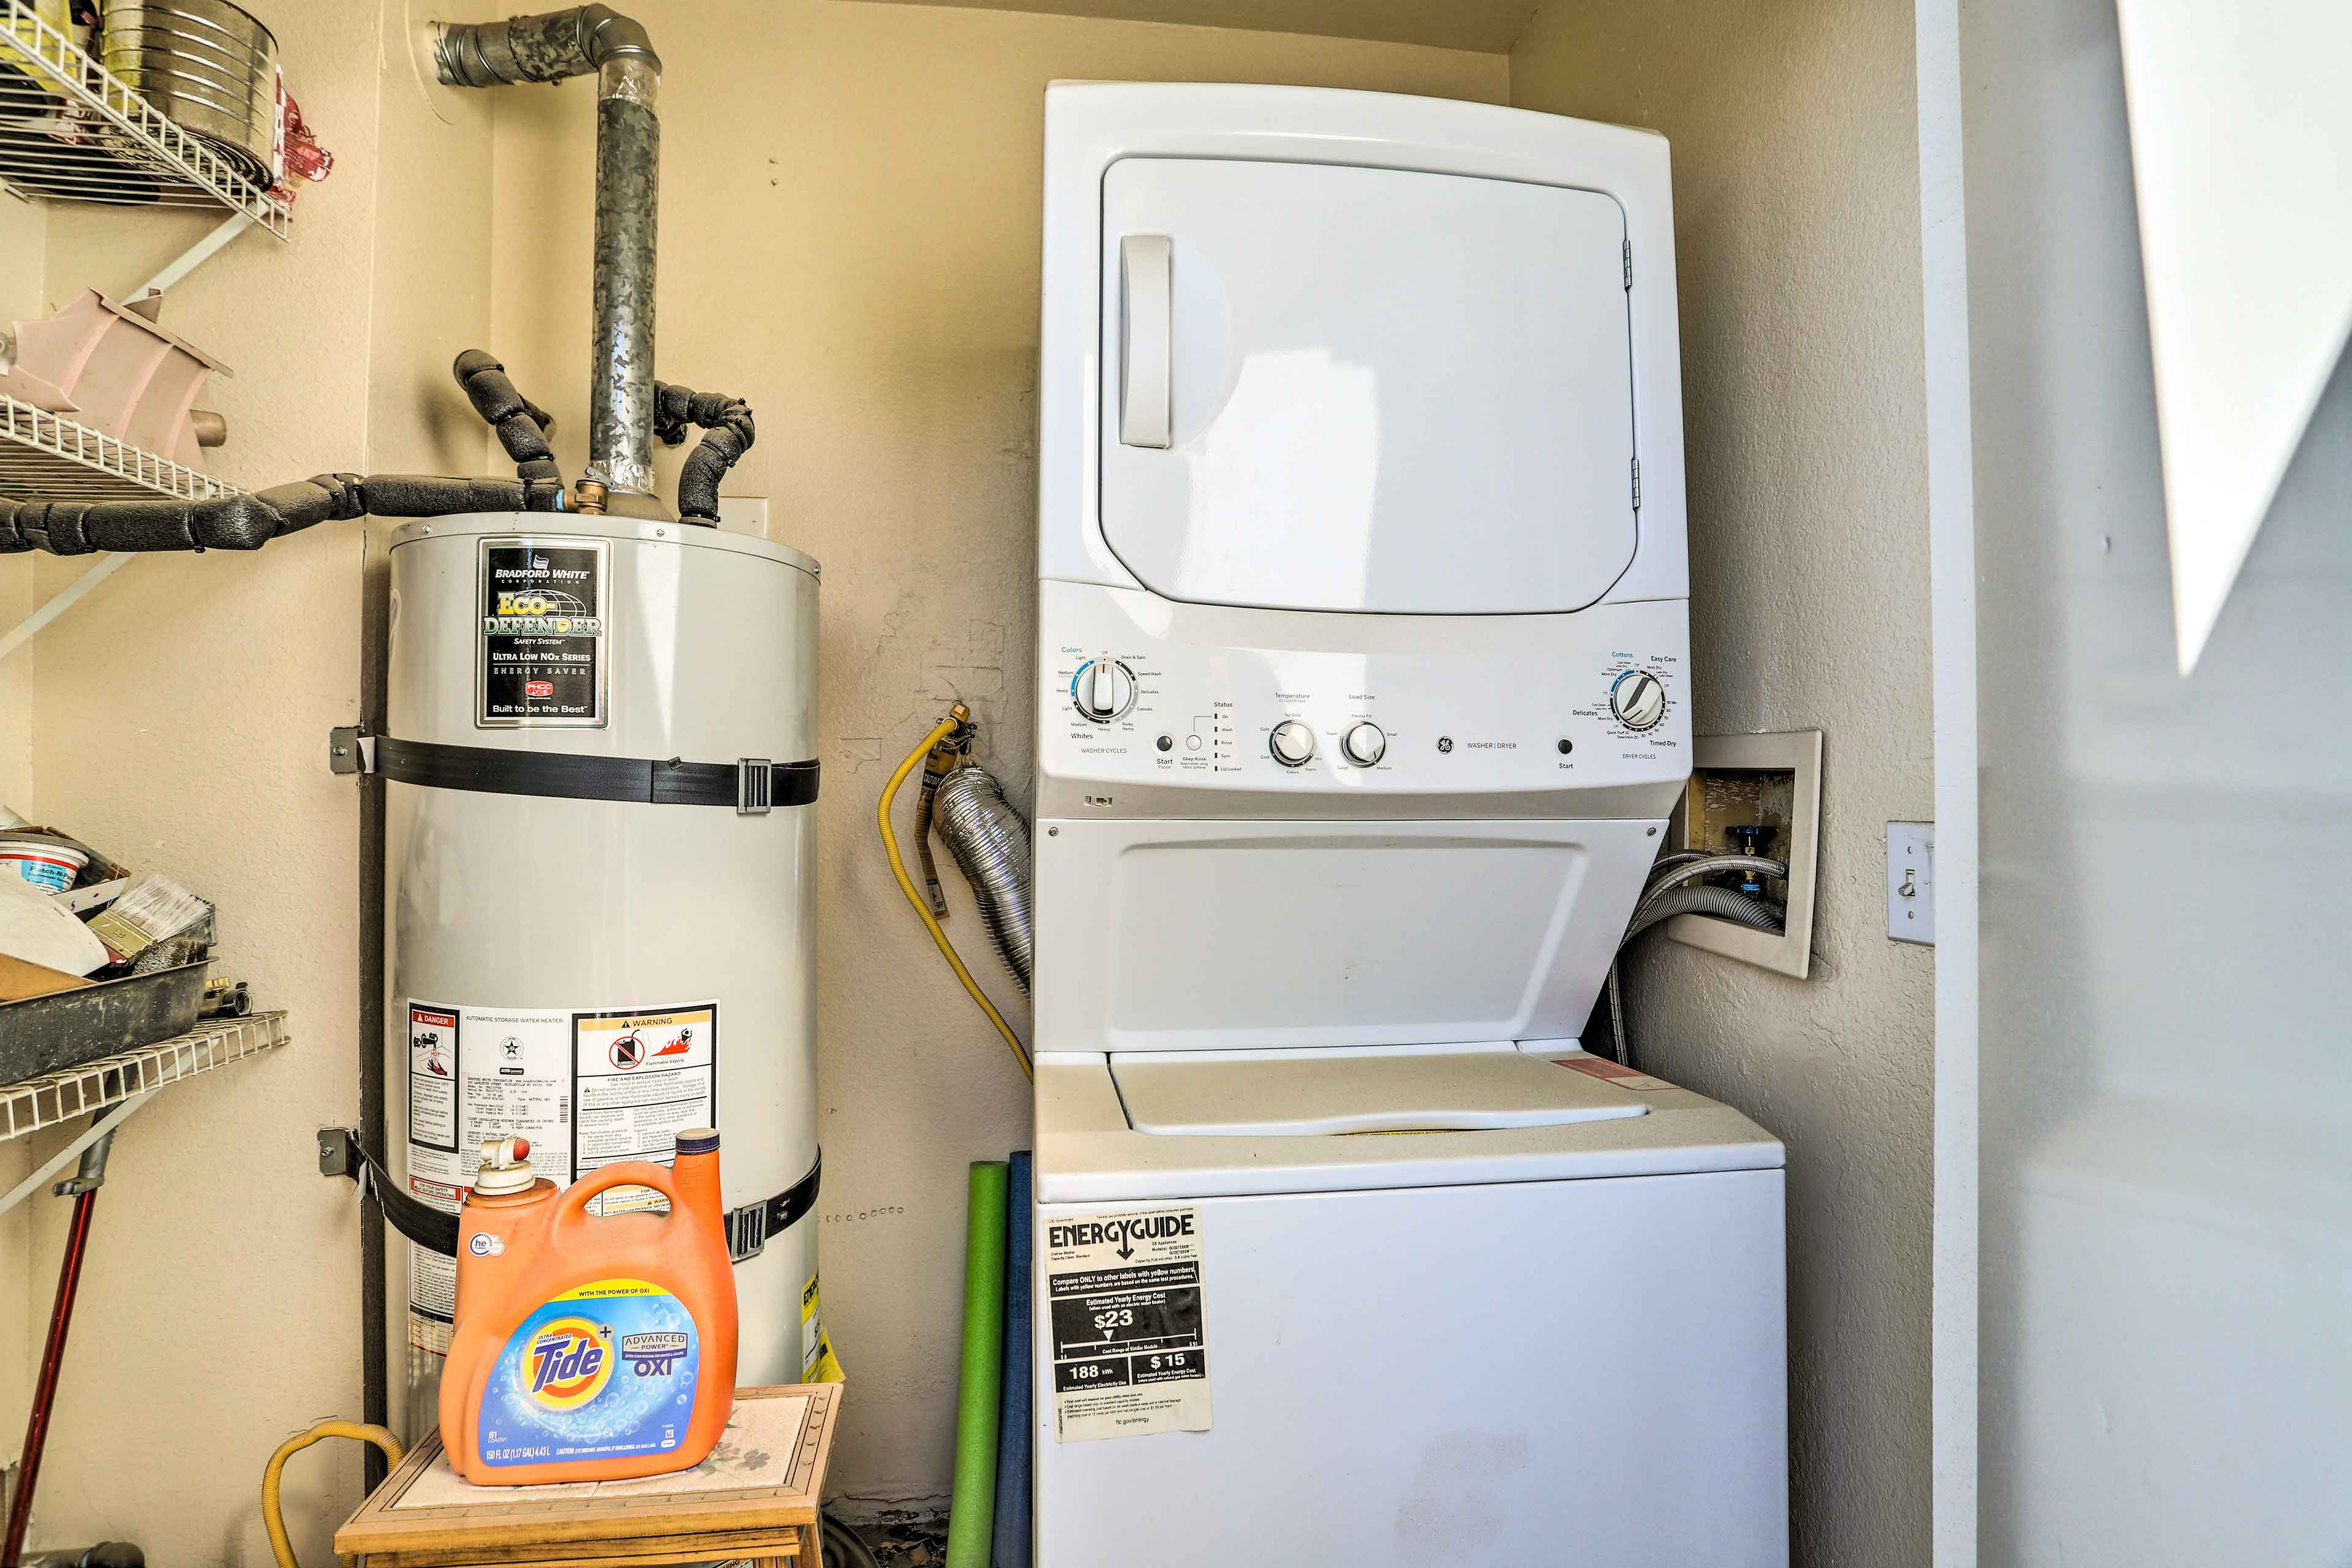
<point>589,1346</point>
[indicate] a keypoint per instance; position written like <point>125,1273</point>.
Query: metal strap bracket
<point>754,786</point>
<point>350,750</point>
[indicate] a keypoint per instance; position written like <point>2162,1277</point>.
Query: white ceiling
<point>1491,27</point>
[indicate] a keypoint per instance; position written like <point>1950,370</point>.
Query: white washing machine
<point>1364,648</point>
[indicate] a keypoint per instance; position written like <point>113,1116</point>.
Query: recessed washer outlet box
<point>1774,780</point>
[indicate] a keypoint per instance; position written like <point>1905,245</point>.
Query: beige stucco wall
<point>849,239</point>
<point>24,244</point>
<point>1796,192</point>
<point>178,719</point>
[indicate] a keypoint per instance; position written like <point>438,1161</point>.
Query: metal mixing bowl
<point>206,66</point>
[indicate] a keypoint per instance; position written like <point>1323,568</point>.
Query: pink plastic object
<point>109,368</point>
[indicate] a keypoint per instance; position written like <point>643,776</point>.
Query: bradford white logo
<point>653,1354</point>
<point>569,1363</point>
<point>1125,1230</point>
<point>539,562</point>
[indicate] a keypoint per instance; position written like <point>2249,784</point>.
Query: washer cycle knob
<point>1104,690</point>
<point>1292,744</point>
<point>1364,744</point>
<point>1638,698</point>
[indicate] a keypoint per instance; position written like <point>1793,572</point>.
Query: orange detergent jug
<point>589,1346</point>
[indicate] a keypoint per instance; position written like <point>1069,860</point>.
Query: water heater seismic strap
<point>750,785</point>
<point>749,1227</point>
<point>428,1228</point>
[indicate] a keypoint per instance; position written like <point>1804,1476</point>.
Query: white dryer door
<point>1337,388</point>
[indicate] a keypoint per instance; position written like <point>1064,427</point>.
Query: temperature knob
<point>1638,698</point>
<point>1292,744</point>
<point>1364,744</point>
<point>1104,690</point>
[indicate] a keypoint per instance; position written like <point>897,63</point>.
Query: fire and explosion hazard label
<point>1124,1297</point>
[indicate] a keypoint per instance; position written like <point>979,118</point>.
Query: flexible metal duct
<point>991,846</point>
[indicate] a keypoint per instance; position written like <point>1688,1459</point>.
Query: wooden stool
<point>755,1498</point>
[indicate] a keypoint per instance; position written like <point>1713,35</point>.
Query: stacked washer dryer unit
<point>1365,698</point>
<point>601,868</point>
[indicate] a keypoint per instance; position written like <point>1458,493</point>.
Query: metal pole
<point>550,47</point>
<point>620,364</point>
<point>83,1188</point>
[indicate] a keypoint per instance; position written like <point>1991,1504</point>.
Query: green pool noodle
<point>972,1517</point>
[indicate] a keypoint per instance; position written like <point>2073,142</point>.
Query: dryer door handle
<point>1146,333</point>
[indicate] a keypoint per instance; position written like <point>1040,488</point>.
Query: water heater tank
<point>600,898</point>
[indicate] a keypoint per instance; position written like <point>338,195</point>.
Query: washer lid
<point>1305,1094</point>
<point>1355,389</point>
<point>1090,1148</point>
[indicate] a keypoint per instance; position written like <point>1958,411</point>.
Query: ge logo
<point>1445,743</point>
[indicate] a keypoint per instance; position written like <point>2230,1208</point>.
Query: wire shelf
<point>59,1097</point>
<point>45,457</point>
<point>71,132</point>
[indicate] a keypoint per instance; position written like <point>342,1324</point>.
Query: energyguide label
<point>1124,1293</point>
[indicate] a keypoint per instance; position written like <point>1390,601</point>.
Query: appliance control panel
<point>1138,689</point>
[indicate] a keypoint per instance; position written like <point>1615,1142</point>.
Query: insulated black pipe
<point>726,423</point>
<point>522,426</point>
<point>242,521</point>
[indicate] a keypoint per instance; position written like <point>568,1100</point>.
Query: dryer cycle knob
<point>1292,744</point>
<point>1638,698</point>
<point>1364,744</point>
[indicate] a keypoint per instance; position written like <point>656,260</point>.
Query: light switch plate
<point>1911,882</point>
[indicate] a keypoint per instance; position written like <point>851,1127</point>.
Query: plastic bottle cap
<point>697,1139</point>
<point>506,1167</point>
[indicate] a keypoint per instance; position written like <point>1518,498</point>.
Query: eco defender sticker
<point>540,659</point>
<point>1124,1294</point>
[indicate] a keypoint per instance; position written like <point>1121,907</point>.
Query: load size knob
<point>1292,744</point>
<point>1638,698</point>
<point>1364,744</point>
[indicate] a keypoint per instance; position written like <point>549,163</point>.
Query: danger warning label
<point>1124,1298</point>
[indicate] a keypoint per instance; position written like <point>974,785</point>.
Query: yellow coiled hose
<point>272,1475</point>
<point>940,731</point>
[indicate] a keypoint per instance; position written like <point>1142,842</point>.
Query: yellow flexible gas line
<point>272,1474</point>
<point>940,731</point>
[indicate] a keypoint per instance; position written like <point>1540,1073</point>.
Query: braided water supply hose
<point>957,715</point>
